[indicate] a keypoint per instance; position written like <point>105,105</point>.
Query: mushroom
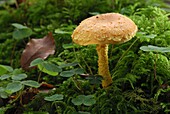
<point>102,30</point>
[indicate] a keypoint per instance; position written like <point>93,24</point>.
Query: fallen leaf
<point>45,85</point>
<point>26,96</point>
<point>37,48</point>
<point>20,1</point>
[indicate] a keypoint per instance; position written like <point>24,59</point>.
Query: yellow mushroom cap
<point>109,28</point>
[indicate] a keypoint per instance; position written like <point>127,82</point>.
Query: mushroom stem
<point>102,51</point>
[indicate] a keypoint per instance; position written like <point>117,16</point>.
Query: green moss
<point>138,76</point>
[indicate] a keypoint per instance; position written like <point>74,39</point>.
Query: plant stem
<point>103,66</point>
<point>155,61</point>
<point>12,55</point>
<point>87,66</point>
<point>39,77</point>
<point>126,51</point>
<point>76,84</point>
<point>83,61</point>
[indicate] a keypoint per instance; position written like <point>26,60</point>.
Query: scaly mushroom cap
<point>109,28</point>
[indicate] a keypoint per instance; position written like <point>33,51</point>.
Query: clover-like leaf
<point>19,76</point>
<point>31,83</point>
<point>78,71</point>
<point>13,87</point>
<point>87,100</point>
<point>21,31</point>
<point>36,62</point>
<point>4,69</point>
<point>78,100</point>
<point>150,36</point>
<point>55,97</point>
<point>58,31</point>
<point>17,71</point>
<point>19,26</point>
<point>67,73</point>
<point>72,72</point>
<point>5,76</point>
<point>3,94</point>
<point>94,79</point>
<point>37,48</point>
<point>49,68</point>
<point>155,48</point>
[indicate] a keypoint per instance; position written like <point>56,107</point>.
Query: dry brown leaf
<point>20,1</point>
<point>45,85</point>
<point>26,96</point>
<point>37,48</point>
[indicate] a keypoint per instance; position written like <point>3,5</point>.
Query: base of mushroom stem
<point>106,83</point>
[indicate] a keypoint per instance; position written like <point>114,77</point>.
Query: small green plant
<point>155,48</point>
<point>21,31</point>
<point>84,100</point>
<point>55,70</point>
<point>54,97</point>
<point>14,81</point>
<point>140,68</point>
